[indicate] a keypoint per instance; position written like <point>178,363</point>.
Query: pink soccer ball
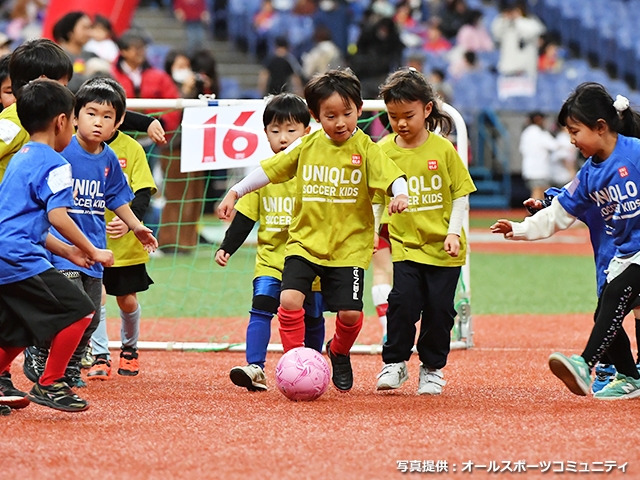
<point>302,374</point>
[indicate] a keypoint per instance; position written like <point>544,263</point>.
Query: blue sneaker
<point>621,388</point>
<point>605,374</point>
<point>573,371</point>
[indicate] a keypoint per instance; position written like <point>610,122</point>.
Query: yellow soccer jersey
<point>333,221</point>
<point>127,250</point>
<point>12,136</point>
<point>436,176</point>
<point>273,206</point>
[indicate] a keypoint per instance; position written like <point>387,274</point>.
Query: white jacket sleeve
<point>543,224</point>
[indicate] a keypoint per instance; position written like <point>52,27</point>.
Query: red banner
<point>119,12</point>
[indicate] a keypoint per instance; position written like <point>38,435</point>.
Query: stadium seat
<point>156,53</point>
<point>230,88</point>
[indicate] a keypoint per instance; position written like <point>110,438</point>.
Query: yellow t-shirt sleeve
<point>284,165</point>
<point>249,206</point>
<point>381,171</point>
<point>461,181</point>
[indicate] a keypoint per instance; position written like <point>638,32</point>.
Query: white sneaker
<point>251,377</point>
<point>392,376</point>
<point>431,381</point>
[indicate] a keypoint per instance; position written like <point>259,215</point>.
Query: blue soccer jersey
<point>611,187</point>
<point>38,180</point>
<point>98,183</point>
<point>601,239</point>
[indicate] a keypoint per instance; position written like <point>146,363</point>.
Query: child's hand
<point>398,204</point>
<point>226,205</point>
<point>533,205</point>
<point>145,235</point>
<point>116,228</point>
<point>105,257</point>
<point>222,258</point>
<point>78,257</point>
<point>504,227</point>
<point>452,244</point>
<point>156,132</point>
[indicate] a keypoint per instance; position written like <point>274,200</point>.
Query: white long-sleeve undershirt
<point>459,208</point>
<point>543,224</point>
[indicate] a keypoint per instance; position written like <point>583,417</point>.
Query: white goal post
<point>463,338</point>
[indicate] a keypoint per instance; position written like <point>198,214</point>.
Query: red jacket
<point>192,9</point>
<point>155,83</point>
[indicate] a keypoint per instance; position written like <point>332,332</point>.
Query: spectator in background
<point>453,16</point>
<point>281,71</point>
<point>564,159</point>
<point>379,51</point>
<point>549,60</point>
<point>536,147</point>
<point>465,64</point>
<point>473,36</point>
<point>178,64</point>
<point>102,41</point>
<point>518,37</point>
<point>323,56</point>
<point>438,81</point>
<point>72,32</point>
<point>435,42</point>
<point>203,63</point>
<point>26,19</point>
<point>195,16</point>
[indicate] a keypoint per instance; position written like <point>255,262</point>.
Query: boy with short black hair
<point>337,169</point>
<point>37,303</point>
<point>6,93</point>
<point>100,184</point>
<point>286,118</point>
<point>128,274</point>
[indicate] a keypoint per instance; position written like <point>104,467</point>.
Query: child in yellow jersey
<point>337,169</point>
<point>286,118</point>
<point>128,274</point>
<point>428,243</point>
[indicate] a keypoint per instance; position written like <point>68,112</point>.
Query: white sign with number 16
<point>214,138</point>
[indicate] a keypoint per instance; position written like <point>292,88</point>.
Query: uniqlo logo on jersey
<point>356,159</point>
<point>106,171</point>
<point>433,164</point>
<point>623,172</point>
<point>123,162</point>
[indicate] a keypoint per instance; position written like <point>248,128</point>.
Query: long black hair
<point>591,102</point>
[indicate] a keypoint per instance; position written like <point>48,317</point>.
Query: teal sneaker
<point>573,371</point>
<point>621,388</point>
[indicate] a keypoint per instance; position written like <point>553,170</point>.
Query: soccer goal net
<point>194,303</point>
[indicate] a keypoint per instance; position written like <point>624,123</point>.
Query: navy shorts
<point>34,310</point>
<point>342,287</point>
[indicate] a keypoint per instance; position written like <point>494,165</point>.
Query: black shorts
<point>342,287</point>
<point>34,310</point>
<point>120,281</point>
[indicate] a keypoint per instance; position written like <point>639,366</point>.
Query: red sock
<point>7,354</point>
<point>345,335</point>
<point>62,347</point>
<point>291,328</point>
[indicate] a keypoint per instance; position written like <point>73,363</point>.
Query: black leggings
<point>607,335</point>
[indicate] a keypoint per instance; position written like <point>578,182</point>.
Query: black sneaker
<point>10,396</point>
<point>342,374</point>
<point>35,358</point>
<point>58,396</point>
<point>72,376</point>
<point>4,410</point>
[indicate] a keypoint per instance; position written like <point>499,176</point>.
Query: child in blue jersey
<point>603,130</point>
<point>286,118</point>
<point>603,251</point>
<point>99,183</point>
<point>37,303</point>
